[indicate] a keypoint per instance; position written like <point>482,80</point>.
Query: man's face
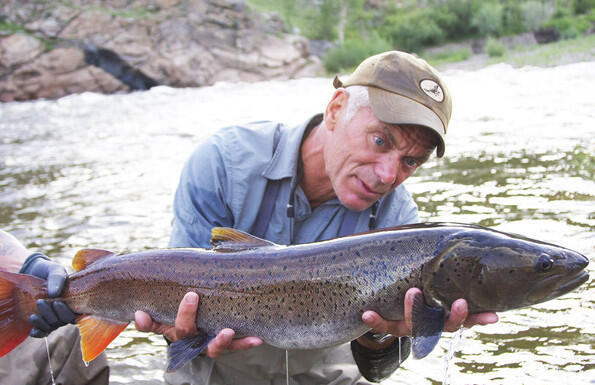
<point>365,158</point>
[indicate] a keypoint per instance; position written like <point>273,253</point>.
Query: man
<point>339,173</point>
<point>336,174</point>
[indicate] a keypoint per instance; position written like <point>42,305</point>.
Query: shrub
<point>494,47</point>
<point>583,6</point>
<point>454,16</point>
<point>570,27</point>
<point>412,31</point>
<point>488,20</point>
<point>512,17</point>
<point>536,13</point>
<point>352,52</point>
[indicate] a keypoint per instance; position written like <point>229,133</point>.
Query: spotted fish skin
<point>313,295</point>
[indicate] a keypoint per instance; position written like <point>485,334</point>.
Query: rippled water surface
<point>100,171</point>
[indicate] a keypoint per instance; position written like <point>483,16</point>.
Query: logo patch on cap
<point>432,89</point>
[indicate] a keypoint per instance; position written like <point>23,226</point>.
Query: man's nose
<point>387,170</point>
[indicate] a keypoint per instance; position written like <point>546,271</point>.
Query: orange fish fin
<point>85,257</point>
<point>96,333</point>
<point>226,240</point>
<point>17,301</point>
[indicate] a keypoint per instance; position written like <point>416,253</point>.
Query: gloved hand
<point>52,314</point>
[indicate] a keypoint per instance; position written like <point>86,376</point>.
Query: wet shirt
<point>223,184</point>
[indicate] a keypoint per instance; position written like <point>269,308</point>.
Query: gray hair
<point>358,97</point>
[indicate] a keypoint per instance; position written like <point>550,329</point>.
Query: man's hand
<point>52,314</point>
<point>185,326</point>
<point>457,318</point>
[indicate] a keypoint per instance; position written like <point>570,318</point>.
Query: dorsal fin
<point>226,240</point>
<point>85,257</point>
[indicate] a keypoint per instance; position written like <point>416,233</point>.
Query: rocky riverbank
<point>49,49</point>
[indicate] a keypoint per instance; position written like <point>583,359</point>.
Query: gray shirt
<point>224,181</point>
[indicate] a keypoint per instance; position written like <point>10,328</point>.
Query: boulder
<point>179,43</point>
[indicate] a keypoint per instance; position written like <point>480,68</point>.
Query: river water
<point>100,171</point>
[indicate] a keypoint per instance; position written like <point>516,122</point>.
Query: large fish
<point>302,296</point>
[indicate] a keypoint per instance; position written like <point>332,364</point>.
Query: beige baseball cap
<point>404,89</point>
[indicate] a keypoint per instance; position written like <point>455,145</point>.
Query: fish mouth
<point>543,291</point>
<point>574,282</point>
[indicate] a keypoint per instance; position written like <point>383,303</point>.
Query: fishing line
<point>47,348</point>
<point>454,344</point>
<point>287,366</point>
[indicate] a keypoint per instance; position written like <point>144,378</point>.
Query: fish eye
<point>544,263</point>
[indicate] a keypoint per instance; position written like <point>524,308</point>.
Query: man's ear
<point>335,108</point>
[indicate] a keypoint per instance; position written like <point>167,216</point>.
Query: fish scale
<point>302,296</point>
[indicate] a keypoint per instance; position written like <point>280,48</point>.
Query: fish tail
<point>18,293</point>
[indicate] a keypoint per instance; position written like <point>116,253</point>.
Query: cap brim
<point>394,108</point>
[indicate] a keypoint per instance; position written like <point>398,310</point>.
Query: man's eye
<point>411,162</point>
<point>379,141</point>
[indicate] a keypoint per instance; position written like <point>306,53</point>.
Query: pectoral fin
<point>97,333</point>
<point>427,325</point>
<point>182,351</point>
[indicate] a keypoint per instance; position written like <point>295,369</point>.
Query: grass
<point>581,48</point>
<point>564,51</point>
<point>10,28</point>
<point>448,57</point>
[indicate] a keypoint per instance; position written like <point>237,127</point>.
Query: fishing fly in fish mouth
<point>328,292</point>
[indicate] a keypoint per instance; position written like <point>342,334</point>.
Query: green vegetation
<point>363,27</point>
<point>352,51</point>
<point>581,48</point>
<point>448,56</point>
<point>10,28</point>
<point>495,48</point>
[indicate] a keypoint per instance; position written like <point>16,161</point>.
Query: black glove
<point>52,314</point>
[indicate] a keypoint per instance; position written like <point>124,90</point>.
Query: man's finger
<point>481,319</point>
<point>37,333</point>
<point>47,313</point>
<point>143,322</point>
<point>458,315</point>
<point>409,298</point>
<point>64,313</point>
<point>220,343</point>
<point>380,325</point>
<point>244,343</point>
<point>39,324</point>
<point>373,320</point>
<point>186,317</point>
<point>56,277</point>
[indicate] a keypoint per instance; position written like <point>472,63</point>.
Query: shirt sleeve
<point>376,365</point>
<point>200,202</point>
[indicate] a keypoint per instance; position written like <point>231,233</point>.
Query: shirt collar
<point>285,159</point>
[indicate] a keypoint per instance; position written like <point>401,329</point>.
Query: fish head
<point>495,271</point>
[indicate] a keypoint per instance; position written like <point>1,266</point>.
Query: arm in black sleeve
<point>376,365</point>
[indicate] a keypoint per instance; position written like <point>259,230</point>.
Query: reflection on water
<point>100,171</point>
